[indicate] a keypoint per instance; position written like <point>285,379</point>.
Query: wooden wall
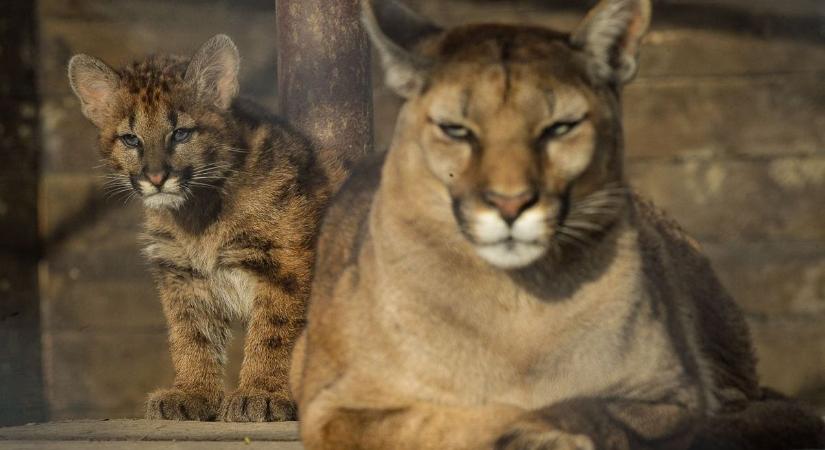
<point>725,128</point>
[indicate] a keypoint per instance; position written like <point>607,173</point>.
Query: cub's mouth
<point>162,190</point>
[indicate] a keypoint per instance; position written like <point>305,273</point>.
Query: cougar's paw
<point>256,405</point>
<point>543,440</point>
<point>175,404</point>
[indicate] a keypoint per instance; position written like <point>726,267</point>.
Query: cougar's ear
<point>394,29</point>
<point>610,35</point>
<point>213,71</point>
<point>94,83</point>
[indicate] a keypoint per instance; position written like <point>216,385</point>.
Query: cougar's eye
<point>456,132</point>
<point>130,140</point>
<point>181,135</point>
<point>559,129</point>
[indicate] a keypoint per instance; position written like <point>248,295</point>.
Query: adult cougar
<point>493,284</point>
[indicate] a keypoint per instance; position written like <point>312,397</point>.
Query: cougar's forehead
<point>492,95</point>
<point>483,69</point>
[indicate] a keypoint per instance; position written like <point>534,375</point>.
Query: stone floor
<point>148,434</point>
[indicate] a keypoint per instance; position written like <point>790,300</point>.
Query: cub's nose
<point>510,207</point>
<point>157,178</point>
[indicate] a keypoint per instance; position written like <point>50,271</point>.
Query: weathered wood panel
<point>739,200</point>
<point>742,116</point>
<point>153,431</point>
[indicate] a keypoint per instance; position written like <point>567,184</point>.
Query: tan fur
<point>233,238</point>
<point>607,329</point>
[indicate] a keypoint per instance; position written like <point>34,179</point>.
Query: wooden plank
<point>739,200</point>
<point>126,38</point>
<point>101,304</point>
<point>170,445</point>
<point>120,366</point>
<point>725,117</point>
<point>325,84</point>
<point>152,431</point>
<point>773,279</point>
<point>156,10</point>
<point>791,355</point>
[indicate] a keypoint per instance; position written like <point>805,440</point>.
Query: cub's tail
<point>773,423</point>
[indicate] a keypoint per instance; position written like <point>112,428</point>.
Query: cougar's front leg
<point>198,336</point>
<point>603,424</point>
<point>276,322</point>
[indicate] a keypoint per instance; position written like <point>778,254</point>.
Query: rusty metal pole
<point>324,79</point>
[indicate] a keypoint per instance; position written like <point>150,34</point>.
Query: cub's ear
<point>94,83</point>
<point>213,71</point>
<point>610,35</point>
<point>394,30</point>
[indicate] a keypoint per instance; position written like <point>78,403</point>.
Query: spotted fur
<point>229,234</point>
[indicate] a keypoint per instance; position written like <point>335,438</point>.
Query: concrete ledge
<point>144,434</point>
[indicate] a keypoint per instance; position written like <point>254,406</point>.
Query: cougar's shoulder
<point>712,315</point>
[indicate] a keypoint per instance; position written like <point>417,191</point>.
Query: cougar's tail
<point>773,423</point>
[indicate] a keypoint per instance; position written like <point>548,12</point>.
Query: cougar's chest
<point>486,338</point>
<point>204,262</point>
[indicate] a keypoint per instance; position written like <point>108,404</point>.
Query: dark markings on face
<point>460,220</point>
<point>506,55</point>
<point>179,271</point>
<point>465,103</point>
<point>132,121</point>
<point>210,154</point>
<point>172,117</point>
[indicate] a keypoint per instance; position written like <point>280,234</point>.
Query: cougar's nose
<point>510,207</point>
<point>157,178</point>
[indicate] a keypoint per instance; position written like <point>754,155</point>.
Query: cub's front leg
<point>276,322</point>
<point>603,424</point>
<point>198,335</point>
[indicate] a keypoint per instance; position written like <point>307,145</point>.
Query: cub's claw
<point>255,405</point>
<point>175,404</point>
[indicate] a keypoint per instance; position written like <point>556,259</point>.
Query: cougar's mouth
<point>511,254</point>
<point>506,245</point>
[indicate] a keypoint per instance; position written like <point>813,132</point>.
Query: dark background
<point>725,129</point>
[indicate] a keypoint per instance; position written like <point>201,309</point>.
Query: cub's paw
<point>543,440</point>
<point>256,405</point>
<point>175,404</point>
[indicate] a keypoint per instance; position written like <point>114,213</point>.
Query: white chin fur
<point>506,247</point>
<point>511,255</point>
<point>163,200</point>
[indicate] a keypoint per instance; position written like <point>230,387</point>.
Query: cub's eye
<point>181,135</point>
<point>559,129</point>
<point>130,140</point>
<point>456,132</point>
